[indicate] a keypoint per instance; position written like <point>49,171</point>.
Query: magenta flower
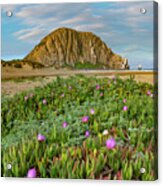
<point>44,101</point>
<point>92,111</point>
<point>101,94</point>
<point>85,119</point>
<point>25,98</point>
<point>125,108</point>
<point>124,100</point>
<point>148,92</point>
<point>110,143</point>
<point>31,173</point>
<point>87,133</point>
<point>64,125</point>
<point>40,137</point>
<point>97,87</point>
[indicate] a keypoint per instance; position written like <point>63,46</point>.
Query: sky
<point>120,25</point>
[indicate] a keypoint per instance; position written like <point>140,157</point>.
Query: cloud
<point>73,20</point>
<point>87,27</point>
<point>30,35</point>
<point>36,10</point>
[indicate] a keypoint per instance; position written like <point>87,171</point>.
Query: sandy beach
<point>16,80</point>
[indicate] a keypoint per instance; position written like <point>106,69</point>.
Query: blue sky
<point>119,24</point>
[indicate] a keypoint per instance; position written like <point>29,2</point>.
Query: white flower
<point>105,132</point>
<point>92,111</point>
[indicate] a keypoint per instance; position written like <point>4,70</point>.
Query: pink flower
<point>85,119</point>
<point>124,100</point>
<point>25,98</point>
<point>125,108</point>
<point>148,92</point>
<point>110,143</point>
<point>31,173</point>
<point>69,87</point>
<point>64,125</point>
<point>97,87</point>
<point>62,95</point>
<point>87,133</point>
<point>101,94</point>
<point>113,77</point>
<point>40,137</point>
<point>92,111</point>
<point>44,101</point>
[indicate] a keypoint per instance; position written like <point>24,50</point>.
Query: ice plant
<point>113,77</point>
<point>110,143</point>
<point>124,100</point>
<point>64,125</point>
<point>87,133</point>
<point>25,98</point>
<point>125,108</point>
<point>62,95</point>
<point>105,132</point>
<point>40,137</point>
<point>85,119</point>
<point>31,173</point>
<point>119,175</point>
<point>101,94</point>
<point>92,111</point>
<point>44,101</point>
<point>148,92</point>
<point>97,87</point>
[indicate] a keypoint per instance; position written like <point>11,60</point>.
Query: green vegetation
<point>85,65</point>
<point>88,65</point>
<point>124,108</point>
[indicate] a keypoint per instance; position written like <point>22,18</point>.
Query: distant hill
<point>17,63</point>
<point>66,47</point>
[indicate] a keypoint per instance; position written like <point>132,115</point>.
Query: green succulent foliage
<point>67,152</point>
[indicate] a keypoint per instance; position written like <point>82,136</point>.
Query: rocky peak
<point>66,47</point>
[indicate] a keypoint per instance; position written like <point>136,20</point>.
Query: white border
<point>57,182</point>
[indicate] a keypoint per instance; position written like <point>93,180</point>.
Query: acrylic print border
<point>98,143</point>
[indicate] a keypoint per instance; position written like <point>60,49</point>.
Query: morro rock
<point>66,46</point>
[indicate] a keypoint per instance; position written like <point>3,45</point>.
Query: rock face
<point>66,46</point>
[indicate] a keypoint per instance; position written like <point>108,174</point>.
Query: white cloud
<point>21,32</point>
<point>35,11</point>
<point>73,20</point>
<point>89,27</point>
<point>30,35</point>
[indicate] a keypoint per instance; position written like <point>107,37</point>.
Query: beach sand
<point>18,80</point>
